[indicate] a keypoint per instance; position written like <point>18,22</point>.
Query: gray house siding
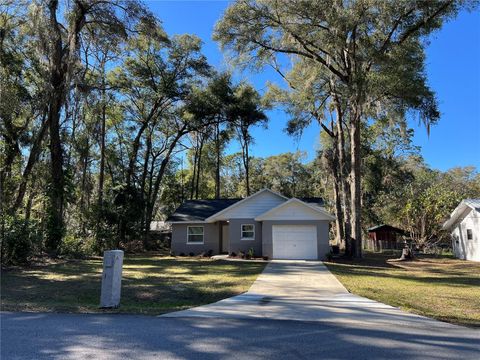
<point>235,234</point>
<point>210,239</point>
<point>323,246</point>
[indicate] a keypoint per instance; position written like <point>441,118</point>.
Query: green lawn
<point>150,285</point>
<point>443,288</point>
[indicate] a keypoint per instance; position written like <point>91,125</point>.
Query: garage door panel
<point>294,242</point>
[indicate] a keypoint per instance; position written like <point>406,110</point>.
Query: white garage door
<point>294,242</point>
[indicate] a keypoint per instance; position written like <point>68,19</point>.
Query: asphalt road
<point>82,336</point>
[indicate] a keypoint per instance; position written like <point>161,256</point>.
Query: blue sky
<point>453,69</point>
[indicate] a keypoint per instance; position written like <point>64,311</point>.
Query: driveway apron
<point>306,291</point>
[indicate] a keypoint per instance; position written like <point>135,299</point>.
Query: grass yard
<point>442,288</point>
<point>150,284</point>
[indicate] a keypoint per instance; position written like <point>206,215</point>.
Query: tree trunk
<point>194,175</point>
<point>73,116</point>
<point>122,233</point>
<point>344,186</point>
<point>28,207</point>
<point>182,183</point>
<point>56,192</point>
<point>134,153</point>
<point>355,185</point>
<point>143,181</point>
<point>336,165</point>
<point>84,176</point>
<point>85,195</point>
<point>148,150</point>
<point>247,168</point>
<point>58,71</point>
<point>243,139</point>
<point>61,60</point>
<point>136,142</point>
<point>12,151</point>
<point>217,168</point>
<point>32,159</point>
<point>338,215</point>
<point>199,166</point>
<point>158,181</point>
<point>149,213</point>
<point>101,175</point>
<point>339,225</point>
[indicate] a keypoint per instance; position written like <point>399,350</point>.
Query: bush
<point>329,256</point>
<point>20,241</point>
<point>181,254</point>
<point>241,254</point>
<point>233,254</point>
<point>172,253</point>
<point>206,254</point>
<point>191,254</point>
<point>103,221</point>
<point>77,247</point>
<point>133,246</point>
<point>250,253</point>
<point>265,258</point>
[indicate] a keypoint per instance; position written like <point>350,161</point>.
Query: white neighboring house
<point>159,226</point>
<point>464,224</point>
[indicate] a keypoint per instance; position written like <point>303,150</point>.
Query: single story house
<point>269,223</point>
<point>383,237</point>
<point>464,225</point>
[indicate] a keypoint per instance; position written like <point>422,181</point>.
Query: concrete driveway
<point>306,291</point>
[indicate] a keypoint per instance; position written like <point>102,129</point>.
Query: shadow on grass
<point>149,285</point>
<point>424,270</point>
<point>457,281</point>
<point>445,289</point>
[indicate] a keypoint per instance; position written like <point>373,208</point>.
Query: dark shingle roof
<point>313,200</point>
<point>199,210</point>
<point>385,227</point>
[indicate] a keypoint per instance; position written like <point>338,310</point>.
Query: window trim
<point>471,234</point>
<point>196,242</point>
<point>247,238</point>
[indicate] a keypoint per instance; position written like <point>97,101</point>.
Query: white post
<point>111,278</point>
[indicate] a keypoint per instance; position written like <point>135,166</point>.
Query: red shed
<point>384,237</point>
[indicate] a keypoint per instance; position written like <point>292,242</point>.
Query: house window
<point>248,232</point>
<point>469,234</point>
<point>194,234</point>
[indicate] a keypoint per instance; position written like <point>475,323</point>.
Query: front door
<point>225,240</point>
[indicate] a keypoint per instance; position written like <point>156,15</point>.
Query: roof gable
<point>250,207</point>
<point>461,211</point>
<point>385,227</point>
<point>474,204</point>
<point>295,209</point>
